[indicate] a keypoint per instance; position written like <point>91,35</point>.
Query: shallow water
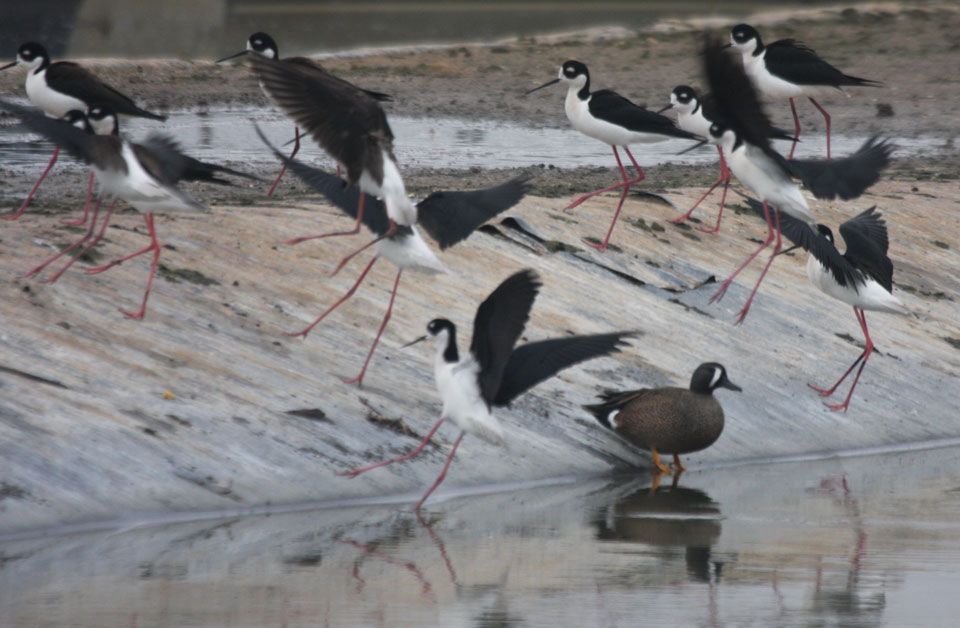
<point>456,143</point>
<point>863,541</point>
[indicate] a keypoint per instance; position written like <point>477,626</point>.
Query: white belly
<point>393,192</point>
<point>462,404</point>
<point>768,182</point>
<point>579,115</point>
<point>142,191</point>
<point>53,103</point>
<point>867,296</point>
<point>410,252</point>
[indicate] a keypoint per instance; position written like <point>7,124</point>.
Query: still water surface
<point>868,541</point>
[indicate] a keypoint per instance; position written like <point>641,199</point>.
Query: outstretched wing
<point>735,99</point>
<point>812,241</point>
<point>848,177</point>
<point>76,142</point>
<point>497,326</point>
<point>349,124</point>
<point>311,65</point>
<point>537,361</point>
<point>866,237</point>
<point>338,192</point>
<point>450,217</point>
<point>176,166</point>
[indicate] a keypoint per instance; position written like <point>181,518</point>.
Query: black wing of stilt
<point>537,361</point>
<point>497,326</point>
<point>178,166</point>
<point>450,217</point>
<point>866,237</point>
<point>343,196</point>
<point>77,142</point>
<point>848,177</point>
<point>814,242</point>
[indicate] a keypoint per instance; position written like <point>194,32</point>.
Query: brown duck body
<point>671,420</point>
<point>668,420</point>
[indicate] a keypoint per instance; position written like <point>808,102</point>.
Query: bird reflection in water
<point>854,599</point>
<point>667,518</point>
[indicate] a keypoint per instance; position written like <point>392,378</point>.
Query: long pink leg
<point>90,245</point>
<point>86,206</point>
<point>349,294</point>
<point>826,392</point>
<point>612,187</point>
<point>770,235</point>
<point>358,380</point>
<point>355,229</point>
<point>725,180</point>
<point>868,349</point>
<point>776,249</point>
<point>19,212</point>
<point>352,473</point>
<point>86,236</point>
<point>442,475</point>
<point>155,246</point>
<point>392,230</point>
<point>796,128</point>
<point>95,270</point>
<point>626,183</point>
<point>296,147</point>
<point>826,117</point>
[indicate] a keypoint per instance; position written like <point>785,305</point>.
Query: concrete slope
<point>87,432</point>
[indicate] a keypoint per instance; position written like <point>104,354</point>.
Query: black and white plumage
<point>744,133</point>
<point>61,87</point>
<point>862,276</point>
<point>347,123</point>
<point>493,373</point>
<point>789,69</point>
<point>696,113</point>
<point>263,45</point>
<point>448,217</point>
<point>607,116</point>
<point>144,174</point>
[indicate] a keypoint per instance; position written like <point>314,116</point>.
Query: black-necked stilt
<point>861,277</point>
<point>609,117</point>
<point>348,124</point>
<point>789,69</point>
<point>745,137</point>
<point>493,373</point>
<point>144,174</point>
<point>668,420</point>
<point>448,217</point>
<point>264,45</point>
<point>60,87</point>
<point>695,114</point>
